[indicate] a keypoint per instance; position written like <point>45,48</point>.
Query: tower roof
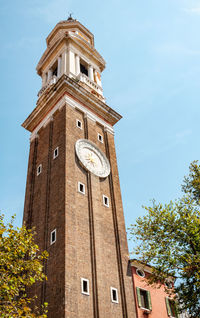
<point>70,25</point>
<point>70,30</point>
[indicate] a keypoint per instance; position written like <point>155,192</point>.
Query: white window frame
<point>54,155</point>
<point>52,242</point>
<point>111,294</point>
<point>105,197</point>
<point>39,168</point>
<point>88,287</point>
<point>79,184</point>
<point>100,138</point>
<point>79,121</point>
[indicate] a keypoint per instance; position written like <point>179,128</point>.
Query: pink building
<point>151,302</point>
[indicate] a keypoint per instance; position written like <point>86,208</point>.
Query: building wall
<point>91,238</point>
<point>45,208</point>
<point>90,222</point>
<point>157,295</point>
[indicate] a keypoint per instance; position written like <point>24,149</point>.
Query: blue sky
<point>152,78</point>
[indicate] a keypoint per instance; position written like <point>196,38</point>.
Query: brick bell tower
<point>73,194</point>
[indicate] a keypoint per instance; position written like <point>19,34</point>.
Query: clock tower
<point>73,194</point>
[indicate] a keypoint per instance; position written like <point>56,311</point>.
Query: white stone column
<point>91,73</point>
<point>77,61</point>
<point>71,62</point>
<point>68,62</point>
<point>44,79</point>
<point>64,63</point>
<point>59,66</point>
<point>49,74</point>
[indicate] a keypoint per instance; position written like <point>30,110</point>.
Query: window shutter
<point>176,309</point>
<point>139,297</point>
<point>149,300</point>
<point>168,307</point>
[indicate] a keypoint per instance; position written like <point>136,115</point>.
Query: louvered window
<point>171,307</point>
<point>144,298</point>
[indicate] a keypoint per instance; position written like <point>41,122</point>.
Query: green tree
<point>20,267</point>
<point>168,238</point>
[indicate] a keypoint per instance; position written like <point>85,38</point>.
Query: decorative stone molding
<point>68,101</point>
<point>32,137</point>
<point>109,129</point>
<point>90,116</point>
<point>85,79</point>
<point>48,121</point>
<point>52,81</point>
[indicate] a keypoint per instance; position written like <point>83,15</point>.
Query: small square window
<point>79,123</point>
<point>53,237</point>
<point>85,286</point>
<point>100,138</point>
<point>105,201</point>
<point>114,295</point>
<point>55,153</point>
<point>81,188</point>
<point>39,169</point>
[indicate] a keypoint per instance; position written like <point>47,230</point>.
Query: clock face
<point>92,158</point>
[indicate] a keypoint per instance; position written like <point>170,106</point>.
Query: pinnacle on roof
<point>70,18</point>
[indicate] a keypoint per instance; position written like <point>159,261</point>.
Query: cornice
<point>67,101</point>
<point>47,53</point>
<point>139,265</point>
<point>91,51</point>
<point>67,25</point>
<point>67,86</point>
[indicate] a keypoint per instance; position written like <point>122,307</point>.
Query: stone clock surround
<point>92,158</point>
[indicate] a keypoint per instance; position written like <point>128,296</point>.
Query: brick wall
<point>91,238</point>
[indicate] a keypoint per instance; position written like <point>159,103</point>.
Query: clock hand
<point>91,159</point>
